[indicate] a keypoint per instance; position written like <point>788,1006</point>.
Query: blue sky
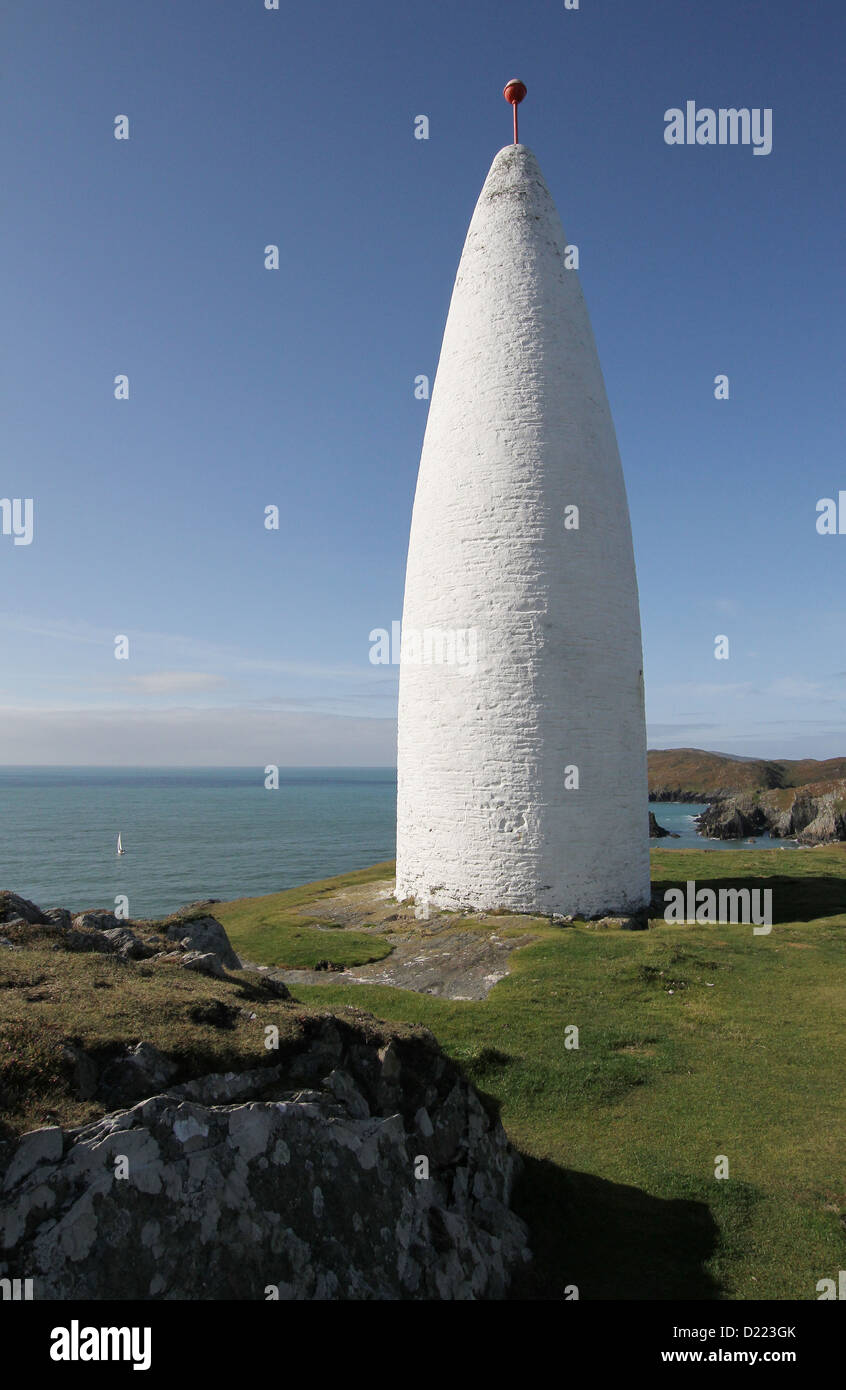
<point>294,387</point>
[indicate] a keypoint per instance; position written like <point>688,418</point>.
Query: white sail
<point>120,848</point>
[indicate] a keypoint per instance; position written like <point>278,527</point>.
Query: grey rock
<point>238,1183</point>
<point>38,1147</point>
<point>12,907</point>
<point>220,1088</point>
<point>204,934</point>
<point>141,1072</point>
<point>81,940</point>
<point>658,832</point>
<point>59,916</point>
<point>98,920</point>
<point>326,1052</point>
<point>126,944</point>
<point>206,963</point>
<point>115,941</point>
<point>813,814</point>
<point>391,1062</point>
<point>636,921</point>
<point>342,1086</point>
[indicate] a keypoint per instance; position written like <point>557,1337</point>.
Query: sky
<point>294,387</point>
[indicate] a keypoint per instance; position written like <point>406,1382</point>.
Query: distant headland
<point>802,798</point>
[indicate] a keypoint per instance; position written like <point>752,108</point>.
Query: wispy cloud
<point>171,682</point>
<point>197,650</point>
<point>793,688</point>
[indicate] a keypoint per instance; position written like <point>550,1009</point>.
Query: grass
<point>694,1042</point>
<point>50,998</point>
<point>270,931</point>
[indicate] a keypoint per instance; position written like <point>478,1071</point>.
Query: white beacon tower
<point>522,742</point>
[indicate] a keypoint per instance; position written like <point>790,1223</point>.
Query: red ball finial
<point>514,92</point>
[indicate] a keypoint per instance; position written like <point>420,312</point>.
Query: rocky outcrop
<point>657,832</point>
<point>205,962</point>
<point>814,814</point>
<point>97,920</point>
<point>196,942</point>
<point>364,1166</point>
<point>203,935</point>
<point>732,818</point>
<point>339,1158</point>
<point>60,917</point>
<point>126,1080</point>
<point>16,909</point>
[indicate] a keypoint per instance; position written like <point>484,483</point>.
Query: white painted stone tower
<point>521,654</point>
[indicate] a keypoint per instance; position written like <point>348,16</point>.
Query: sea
<point>680,818</point>
<point>198,833</point>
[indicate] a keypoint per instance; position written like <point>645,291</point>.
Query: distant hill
<point>692,774</point>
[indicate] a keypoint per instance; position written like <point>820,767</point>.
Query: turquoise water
<point>680,817</point>
<point>205,832</point>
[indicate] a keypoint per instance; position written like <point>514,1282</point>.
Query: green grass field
<point>694,1042</point>
<point>271,931</point>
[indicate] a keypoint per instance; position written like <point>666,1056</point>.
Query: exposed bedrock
<point>304,1180</point>
<point>811,815</point>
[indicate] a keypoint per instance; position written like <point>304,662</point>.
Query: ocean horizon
<point>194,833</point>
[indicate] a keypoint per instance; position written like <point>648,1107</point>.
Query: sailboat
<point>120,848</point>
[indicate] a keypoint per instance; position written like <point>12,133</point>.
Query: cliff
<point>812,814</point>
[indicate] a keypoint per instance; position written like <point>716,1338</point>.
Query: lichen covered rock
<point>363,1167</point>
<point>205,935</point>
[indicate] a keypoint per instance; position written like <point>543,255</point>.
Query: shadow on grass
<point>800,899</point>
<point>611,1241</point>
